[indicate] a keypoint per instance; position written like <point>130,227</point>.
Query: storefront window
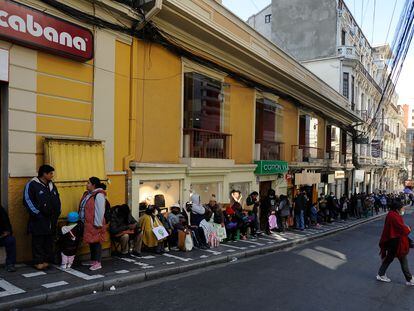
<point>206,191</point>
<point>170,189</point>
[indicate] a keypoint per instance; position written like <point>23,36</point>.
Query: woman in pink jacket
<point>92,212</point>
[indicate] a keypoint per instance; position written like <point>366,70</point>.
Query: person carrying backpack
<point>92,213</point>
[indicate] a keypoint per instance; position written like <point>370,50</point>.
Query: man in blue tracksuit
<point>41,199</point>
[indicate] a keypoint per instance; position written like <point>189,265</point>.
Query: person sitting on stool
<point>124,227</point>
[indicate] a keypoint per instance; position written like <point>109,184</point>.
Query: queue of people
<point>195,225</point>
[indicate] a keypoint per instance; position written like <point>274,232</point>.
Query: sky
<point>375,29</point>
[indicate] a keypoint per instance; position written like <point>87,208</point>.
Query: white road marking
<point>212,252</point>
<point>143,265</point>
<point>55,284</point>
<point>142,257</point>
<point>203,256</point>
<point>251,242</point>
<point>176,257</point>
<point>121,271</point>
<point>31,275</point>
<point>9,289</point>
<point>232,246</point>
<point>170,263</point>
<point>80,274</point>
<point>230,251</point>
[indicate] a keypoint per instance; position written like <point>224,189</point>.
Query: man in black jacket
<point>124,227</point>
<point>42,201</point>
<point>7,240</point>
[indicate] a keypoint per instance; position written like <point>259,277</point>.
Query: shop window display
<point>167,192</point>
<point>206,190</point>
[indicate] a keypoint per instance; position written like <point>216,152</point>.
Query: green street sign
<point>271,167</point>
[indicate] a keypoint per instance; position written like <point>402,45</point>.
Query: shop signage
<point>33,28</point>
<point>331,178</point>
<point>271,167</point>
<point>306,178</point>
<point>4,65</point>
<point>339,174</point>
<point>359,175</point>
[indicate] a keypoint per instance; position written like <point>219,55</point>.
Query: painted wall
<point>242,111</point>
<point>290,127</point>
<point>159,105</point>
<point>329,70</point>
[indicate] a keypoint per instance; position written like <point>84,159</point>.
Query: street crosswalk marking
<point>9,289</point>
<point>55,284</point>
<point>232,246</point>
<point>79,274</point>
<point>32,275</point>
<point>176,257</point>
<point>121,271</point>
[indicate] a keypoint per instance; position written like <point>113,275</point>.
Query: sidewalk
<point>28,287</point>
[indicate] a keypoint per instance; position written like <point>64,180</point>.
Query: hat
<point>175,205</point>
<point>73,217</point>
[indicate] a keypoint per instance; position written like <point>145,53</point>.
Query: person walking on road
<point>42,201</point>
<point>92,212</point>
<point>394,243</point>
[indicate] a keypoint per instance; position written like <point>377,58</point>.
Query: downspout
<point>133,101</point>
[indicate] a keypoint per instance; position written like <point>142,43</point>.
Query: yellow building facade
<point>135,114</point>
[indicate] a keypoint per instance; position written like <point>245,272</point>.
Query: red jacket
<point>92,234</point>
<point>395,228</point>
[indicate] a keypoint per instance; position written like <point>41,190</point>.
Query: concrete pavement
<point>28,287</point>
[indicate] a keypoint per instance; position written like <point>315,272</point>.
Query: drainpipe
<point>133,102</point>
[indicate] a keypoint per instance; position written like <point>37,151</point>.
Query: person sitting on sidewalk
<point>147,223</point>
<point>394,243</point>
<point>7,240</point>
<point>70,236</point>
<point>124,228</point>
<point>175,221</point>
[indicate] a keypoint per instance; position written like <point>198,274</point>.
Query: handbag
<point>160,232</point>
<point>213,240</point>
<point>272,222</point>
<point>188,243</point>
<point>231,225</point>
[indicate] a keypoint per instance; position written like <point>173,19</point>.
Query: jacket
<point>94,229</point>
<point>395,228</point>
<point>44,207</point>
<point>5,225</point>
<point>300,203</point>
<point>119,223</point>
<point>69,238</point>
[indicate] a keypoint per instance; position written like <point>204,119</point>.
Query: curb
<point>133,279</point>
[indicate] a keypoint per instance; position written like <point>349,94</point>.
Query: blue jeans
<point>9,242</point>
<point>300,221</point>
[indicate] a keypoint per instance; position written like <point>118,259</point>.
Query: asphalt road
<point>335,273</point>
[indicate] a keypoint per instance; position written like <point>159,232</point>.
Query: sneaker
<point>88,263</point>
<point>174,249</point>
<point>384,278</point>
<point>167,249</point>
<point>96,266</point>
<point>64,266</point>
<point>10,268</point>
<point>69,266</point>
<point>410,283</point>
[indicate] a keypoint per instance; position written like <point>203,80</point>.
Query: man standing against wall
<point>42,201</point>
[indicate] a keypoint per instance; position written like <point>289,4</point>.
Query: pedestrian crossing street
<point>27,279</point>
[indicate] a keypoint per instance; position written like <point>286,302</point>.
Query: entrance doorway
<point>264,188</point>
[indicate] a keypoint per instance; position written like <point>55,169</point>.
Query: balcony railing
<point>301,153</point>
<point>270,150</point>
<point>206,144</point>
<point>349,52</point>
<point>334,156</point>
